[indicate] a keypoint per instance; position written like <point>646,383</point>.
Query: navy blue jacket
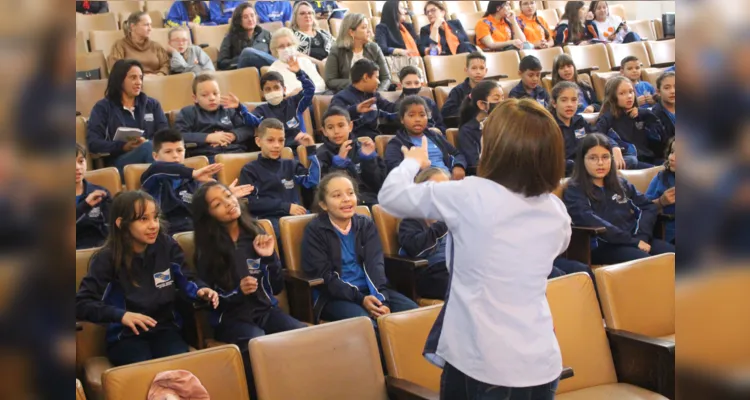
<point>290,110</point>
<point>217,16</point>
<point>172,186</point>
<point>321,257</point>
<point>274,182</point>
<point>233,44</point>
<point>107,291</point>
<point>538,94</point>
<point>469,144</point>
<point>573,134</point>
<point>419,240</point>
<point>387,39</point>
<point>369,172</point>
<point>196,124</point>
<point>92,223</point>
<point>628,220</point>
<point>425,41</point>
<point>107,116</point>
<point>668,127</point>
<point>457,95</point>
<point>233,304</point>
<point>644,132</point>
<point>589,96</point>
<point>436,119</point>
<point>364,124</point>
<point>394,156</point>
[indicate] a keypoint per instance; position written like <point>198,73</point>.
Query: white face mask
<point>287,53</point>
<point>275,98</point>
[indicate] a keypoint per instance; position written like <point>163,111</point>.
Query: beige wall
<point>646,9</point>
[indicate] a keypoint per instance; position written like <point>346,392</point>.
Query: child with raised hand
<point>414,118</point>
<point>476,71</point>
<point>235,257</point>
<point>564,69</point>
<point>530,70</point>
<point>630,67</point>
<point>474,111</point>
<point>132,284</point>
<point>211,124</point>
<point>666,108</point>
<point>564,105</point>
<point>356,157</point>
<point>662,190</point>
<point>274,178</point>
<point>92,207</point>
<point>343,248</point>
<point>635,133</point>
<point>172,183</point>
<point>597,197</point>
<point>426,239</point>
<point>412,83</point>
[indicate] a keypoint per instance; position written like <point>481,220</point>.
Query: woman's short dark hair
<point>438,4</point>
<point>117,76</point>
<point>493,6</point>
<point>522,148</point>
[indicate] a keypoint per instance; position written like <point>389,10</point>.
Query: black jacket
<point>590,96</point>
<point>172,185</point>
<point>387,40</point>
<point>365,124</point>
<point>92,223</point>
<point>419,240</point>
<point>425,41</point>
<point>668,126</point>
<point>457,95</point>
<point>394,156</point>
<point>538,94</point>
<point>645,131</point>
<point>196,124</point>
<point>369,172</point>
<point>469,144</point>
<point>233,44</point>
<point>573,134</point>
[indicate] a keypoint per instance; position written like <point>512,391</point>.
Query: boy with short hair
<point>172,184</point>
<point>92,207</point>
<point>476,71</point>
<point>530,70</point>
<point>212,123</point>
<point>186,57</point>
<point>630,67</point>
<point>274,178</point>
<point>412,83</point>
<point>357,157</point>
<point>288,110</point>
<point>363,102</point>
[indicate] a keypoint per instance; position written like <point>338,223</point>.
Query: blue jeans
<point>140,155</point>
<point>455,385</point>
<point>147,346</point>
<point>632,162</point>
<point>632,37</point>
<point>606,253</point>
<point>251,57</point>
<point>336,310</point>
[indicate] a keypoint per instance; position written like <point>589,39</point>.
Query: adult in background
<point>352,45</point>
<point>442,37</point>
<point>92,7</point>
<point>393,34</point>
<point>499,30</point>
<point>246,44</point>
<point>188,13</point>
<point>284,47</point>
<point>137,45</point>
<point>314,42</point>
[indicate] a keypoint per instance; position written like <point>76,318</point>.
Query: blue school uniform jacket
<point>321,257</point>
<point>587,97</point>
<point>368,171</point>
<point>573,134</point>
<point>107,292</point>
<point>274,182</point>
<point>662,181</point>
<point>452,104</point>
<point>628,220</point>
<point>644,132</point>
<point>196,124</point>
<point>419,240</point>
<point>172,186</point>
<point>538,94</point>
<point>290,110</point>
<point>233,304</point>
<point>667,119</point>
<point>178,15</point>
<point>364,124</point>
<point>563,36</point>
<point>271,11</point>
<point>92,223</point>
<point>393,155</point>
<point>218,16</point>
<point>469,144</point>
<point>107,116</point>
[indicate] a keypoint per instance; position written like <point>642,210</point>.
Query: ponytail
<point>547,35</point>
<point>469,108</point>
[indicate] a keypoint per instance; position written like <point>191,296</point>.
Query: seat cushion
<point>611,391</point>
<point>429,302</point>
<point>94,368</point>
<point>668,337</point>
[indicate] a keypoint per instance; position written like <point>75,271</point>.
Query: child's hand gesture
<point>619,159</point>
<point>345,148</point>
<point>589,109</point>
<point>368,146</point>
<point>242,190</point>
<point>304,139</point>
<point>230,101</point>
<point>131,145</point>
<point>418,153</point>
<point>458,173</point>
<point>206,173</point>
<point>210,296</point>
<point>668,198</point>
<point>293,64</point>
<point>220,138</point>
<point>248,285</point>
<point>366,106</point>
<point>633,113</point>
<point>644,246</point>
<point>641,99</point>
<point>263,245</point>
<point>650,99</point>
<point>297,209</point>
<point>134,321</point>
<point>374,307</point>
<point>518,43</point>
<point>95,197</point>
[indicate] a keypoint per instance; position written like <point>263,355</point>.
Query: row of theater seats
<point>633,357</point>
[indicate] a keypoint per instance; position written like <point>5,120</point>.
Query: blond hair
<point>351,22</point>
<point>294,24</point>
<point>281,33</point>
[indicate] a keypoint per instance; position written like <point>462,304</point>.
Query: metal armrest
<point>579,248</point>
<point>567,372</point>
<point>444,82</point>
<point>300,294</point>
<point>203,45</point>
<point>79,327</point>
<point>663,65</point>
<point>616,68</point>
<point>496,77</point>
<point>404,390</point>
<point>643,361</point>
<point>402,273</point>
<point>587,70</point>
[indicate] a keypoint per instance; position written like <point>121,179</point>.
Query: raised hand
<point>366,106</point>
<point>293,64</point>
<point>368,146</point>
<point>304,139</point>
<point>241,190</point>
<point>230,101</point>
<point>96,197</point>
<point>633,113</point>
<point>418,153</point>
<point>206,173</point>
<point>345,148</point>
<point>263,245</point>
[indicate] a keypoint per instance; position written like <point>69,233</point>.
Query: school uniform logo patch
<point>639,125</point>
<point>288,184</point>
<point>253,266</point>
<point>292,123</point>
<point>95,212</point>
<point>225,120</point>
<point>186,197</point>
<point>358,168</point>
<point>619,199</point>
<point>542,102</point>
<point>580,133</point>
<point>163,279</point>
<point>148,117</point>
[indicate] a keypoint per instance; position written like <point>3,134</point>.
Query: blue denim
<point>147,346</point>
<point>606,253</point>
<point>455,385</point>
<point>142,154</point>
<point>251,57</point>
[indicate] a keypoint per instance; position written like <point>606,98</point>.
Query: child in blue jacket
<point>92,207</point>
<point>133,282</point>
<point>411,82</point>
<point>630,67</point>
<point>475,109</point>
<point>597,197</point>
<point>476,71</point>
<point>563,107</point>
<point>662,191</point>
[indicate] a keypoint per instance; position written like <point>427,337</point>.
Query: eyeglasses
<point>595,160</point>
<point>306,13</point>
<point>430,11</point>
<point>179,40</point>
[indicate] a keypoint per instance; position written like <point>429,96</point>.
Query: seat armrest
<point>79,327</point>
<point>299,293</point>
<point>579,248</point>
<point>567,372</point>
<point>203,45</point>
<point>616,68</point>
<point>95,156</point>
<point>496,77</point>
<point>643,361</point>
<point>663,65</point>
<point>588,70</point>
<point>401,389</point>
<point>402,273</point>
<point>451,122</point>
<point>444,82</point>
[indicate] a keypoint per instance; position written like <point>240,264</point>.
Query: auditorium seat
<point>95,22</point>
<point>92,61</point>
<point>619,10</point>
<point>419,19</point>
<point>502,64</point>
<point>376,7</point>
<point>468,19</point>
<point>598,356</point>
<point>662,52</point>
<point>461,7</point>
<point>108,178</point>
<point>337,360</point>
<point>126,6</point>
<point>361,7</point>
<point>380,142</point>
<point>172,91</point>
<point>233,163</point>
<point>550,16</point>
<point>160,6</point>
<point>650,75</point>
<point>508,86</point>
<point>320,104</point>
<point>81,45</point>
<point>618,51</point>
<point>210,35</point>
<point>644,28</point>
<point>545,56</point>
<point>443,68</point>
<point>133,172</point>
<point>219,369</point>
<point>88,93</point>
<point>590,56</point>
<point>396,94</point>
<point>441,95</point>
<point>640,178</point>
<point>104,40</point>
<point>161,36</point>
<point>547,81</point>
<point>599,80</point>
<point>335,26</point>
<point>452,135</point>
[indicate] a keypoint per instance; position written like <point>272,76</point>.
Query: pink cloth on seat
<point>177,385</point>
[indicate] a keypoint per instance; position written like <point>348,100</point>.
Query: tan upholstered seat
<point>108,178</point>
<point>103,41</point>
<point>243,83</point>
<point>380,142</point>
<point>461,7</point>
<point>452,136</point>
<point>644,28</point>
<point>641,178</point>
<point>508,85</point>
<point>618,51</point>
<point>594,55</point>
<point>545,56</point>
<point>88,93</point>
<point>440,68</point>
<point>361,7</point>
<point>133,172</point>
<point>550,16</point>
<point>86,23</point>
<point>92,61</point>
<point>638,296</point>
<point>662,51</point>
<point>210,35</point>
<point>611,391</point>
<point>219,369</point>
<point>337,360</point>
<point>172,91</point>
<point>599,80</point>
<point>160,35</point>
<point>503,63</point>
<point>233,163</point>
<point>126,6</point>
<point>441,95</point>
<point>320,105</point>
<point>81,45</point>
<point>161,6</point>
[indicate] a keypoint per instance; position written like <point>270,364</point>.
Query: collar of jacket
<point>268,161</point>
<point>326,223</point>
<point>574,122</point>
